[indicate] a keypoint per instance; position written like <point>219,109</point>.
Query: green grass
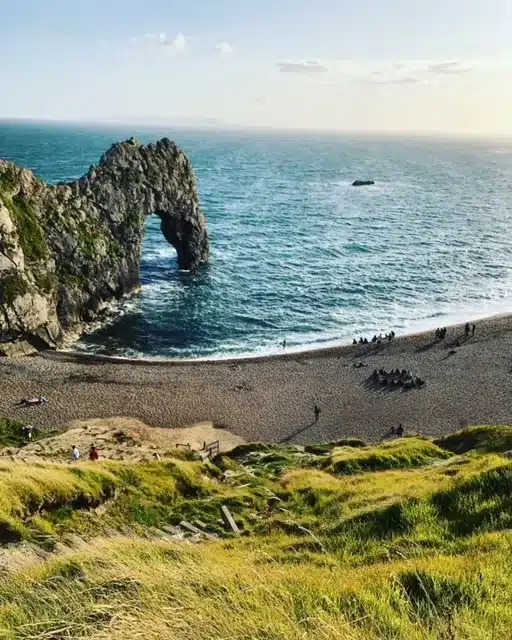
<point>401,540</point>
<point>130,588</point>
<point>404,453</point>
<point>13,435</point>
<point>8,181</point>
<point>483,439</point>
<point>30,232</point>
<point>55,498</point>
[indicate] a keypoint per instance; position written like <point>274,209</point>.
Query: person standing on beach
<point>284,344</point>
<point>466,329</point>
<point>317,412</point>
<point>473,329</point>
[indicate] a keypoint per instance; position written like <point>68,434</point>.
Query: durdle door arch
<point>68,250</point>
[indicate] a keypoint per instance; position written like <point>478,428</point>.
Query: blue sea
<point>297,253</point>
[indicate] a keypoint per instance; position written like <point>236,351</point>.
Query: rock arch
<point>67,250</point>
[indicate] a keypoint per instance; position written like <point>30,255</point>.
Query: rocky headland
<point>68,250</point>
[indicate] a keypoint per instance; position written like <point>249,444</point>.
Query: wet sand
<point>273,398</point>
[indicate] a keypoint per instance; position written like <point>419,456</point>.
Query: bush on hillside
<point>242,450</point>
<point>481,503</point>
<point>404,453</point>
<point>488,439</point>
<point>326,448</point>
<point>12,434</point>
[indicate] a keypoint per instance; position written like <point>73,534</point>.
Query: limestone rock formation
<point>68,250</point>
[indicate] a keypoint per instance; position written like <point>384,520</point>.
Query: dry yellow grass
<point>135,589</point>
<point>420,553</point>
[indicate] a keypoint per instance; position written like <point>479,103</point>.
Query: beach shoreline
<point>288,352</point>
<point>272,397</point>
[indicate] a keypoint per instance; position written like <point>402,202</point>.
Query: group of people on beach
<point>440,334</point>
<point>94,453</point>
<point>469,329</point>
<point>376,339</point>
<point>397,378</point>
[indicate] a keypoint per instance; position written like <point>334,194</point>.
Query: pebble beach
<point>273,398</point>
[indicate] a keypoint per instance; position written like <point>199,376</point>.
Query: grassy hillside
<point>398,540</point>
<point>13,435</point>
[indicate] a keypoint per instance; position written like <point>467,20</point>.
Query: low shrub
<point>484,439</point>
<point>403,453</point>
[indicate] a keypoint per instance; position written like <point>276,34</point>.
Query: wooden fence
<point>210,450</point>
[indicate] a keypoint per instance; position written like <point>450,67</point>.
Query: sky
<point>426,66</point>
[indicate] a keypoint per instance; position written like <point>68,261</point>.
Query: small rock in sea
<point>363,183</point>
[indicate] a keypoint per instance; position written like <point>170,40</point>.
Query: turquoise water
<point>298,253</point>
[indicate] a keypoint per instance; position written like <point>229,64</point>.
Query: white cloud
<point>150,37</point>
<point>161,39</point>
<point>224,48</point>
<point>179,43</point>
<point>302,66</point>
<point>406,80</point>
<point>410,71</point>
<point>448,67</point>
<point>398,80</point>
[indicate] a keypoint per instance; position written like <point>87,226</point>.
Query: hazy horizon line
<point>214,124</point>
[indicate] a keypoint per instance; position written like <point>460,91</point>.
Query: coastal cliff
<point>68,250</point>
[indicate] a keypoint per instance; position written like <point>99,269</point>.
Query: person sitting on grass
<point>28,430</point>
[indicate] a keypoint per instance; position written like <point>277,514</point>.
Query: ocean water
<point>297,253</point>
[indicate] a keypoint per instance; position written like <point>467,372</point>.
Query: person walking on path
<point>317,412</point>
<point>76,454</point>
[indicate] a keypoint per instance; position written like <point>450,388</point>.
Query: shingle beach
<point>273,398</point>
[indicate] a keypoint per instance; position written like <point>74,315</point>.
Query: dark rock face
<point>363,183</point>
<point>66,251</point>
